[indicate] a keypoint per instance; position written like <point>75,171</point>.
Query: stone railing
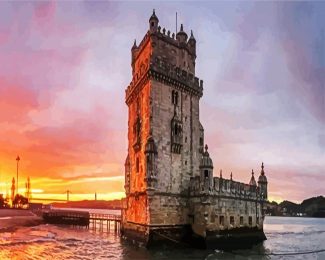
<point>223,187</point>
<point>176,73</point>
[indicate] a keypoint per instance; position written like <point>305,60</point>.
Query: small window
<point>201,141</point>
<point>206,174</point>
<point>137,164</point>
<point>232,220</point>
<point>257,221</point>
<point>221,220</point>
<point>250,221</point>
<point>241,220</point>
<point>152,24</point>
<point>174,97</point>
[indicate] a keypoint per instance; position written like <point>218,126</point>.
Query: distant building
<point>171,192</point>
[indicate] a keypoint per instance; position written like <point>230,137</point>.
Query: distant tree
<point>3,202</point>
<point>19,201</point>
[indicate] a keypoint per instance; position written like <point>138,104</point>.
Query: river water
<point>284,235</point>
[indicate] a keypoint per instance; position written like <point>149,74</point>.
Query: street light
<point>17,159</point>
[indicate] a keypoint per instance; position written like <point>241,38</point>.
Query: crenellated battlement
<point>168,37</point>
<point>224,188</point>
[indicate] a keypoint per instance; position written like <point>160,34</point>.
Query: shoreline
<point>11,219</point>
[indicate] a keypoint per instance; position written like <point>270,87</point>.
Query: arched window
<point>174,97</point>
<point>206,174</point>
<point>149,165</point>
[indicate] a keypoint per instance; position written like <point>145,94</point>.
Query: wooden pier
<point>94,221</point>
<point>104,221</point>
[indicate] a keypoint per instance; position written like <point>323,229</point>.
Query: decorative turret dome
<point>134,45</point>
<point>181,36</point>
<point>262,178</point>
<point>252,182</point>
<point>206,161</point>
<point>150,145</point>
<point>192,39</point>
<point>153,17</point>
<point>153,22</point>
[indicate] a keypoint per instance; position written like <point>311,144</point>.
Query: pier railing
<point>104,222</point>
<point>111,217</point>
<point>95,221</point>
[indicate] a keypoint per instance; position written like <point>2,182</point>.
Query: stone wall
<point>171,51</point>
<point>168,210</point>
<point>175,170</point>
<point>220,204</point>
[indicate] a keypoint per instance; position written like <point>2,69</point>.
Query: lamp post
<point>17,159</point>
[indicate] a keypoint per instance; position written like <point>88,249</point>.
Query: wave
<point>32,241</point>
<point>295,233</point>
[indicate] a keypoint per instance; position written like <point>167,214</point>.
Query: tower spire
<point>252,182</point>
<point>153,21</point>
<point>192,36</point>
<point>262,171</point>
<point>134,44</point>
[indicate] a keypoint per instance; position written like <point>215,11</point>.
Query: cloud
<point>64,67</point>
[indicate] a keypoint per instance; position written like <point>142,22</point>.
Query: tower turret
<point>153,22</point>
<point>206,169</point>
<point>192,44</point>
<point>262,183</point>
<point>134,52</point>
<point>181,36</point>
<point>252,182</point>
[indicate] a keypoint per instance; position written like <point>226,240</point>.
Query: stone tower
<point>171,193</point>
<point>165,137</point>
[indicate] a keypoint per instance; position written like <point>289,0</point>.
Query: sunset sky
<point>64,67</point>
